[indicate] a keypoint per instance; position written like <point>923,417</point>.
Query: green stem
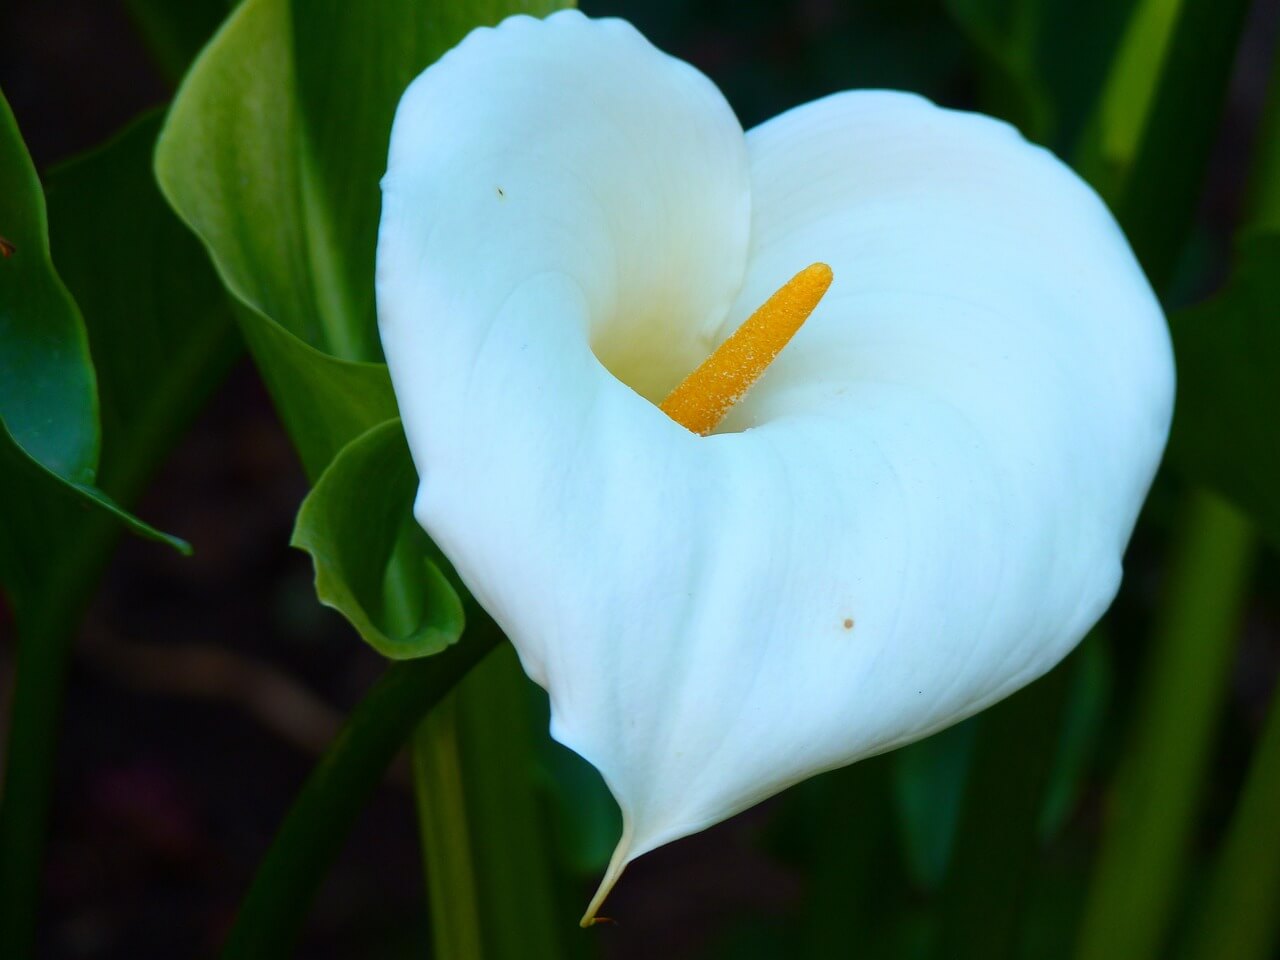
<point>446,836</point>
<point>316,827</point>
<point>439,793</point>
<point>47,613</point>
<point>1157,788</point>
<point>490,874</point>
<point>1239,917</point>
<point>44,639</point>
<point>516,874</point>
<point>1148,143</point>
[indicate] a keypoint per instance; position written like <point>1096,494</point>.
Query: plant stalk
<point>447,856</point>
<point>1239,917</point>
<point>490,874</point>
<point>1158,786</point>
<point>316,827</point>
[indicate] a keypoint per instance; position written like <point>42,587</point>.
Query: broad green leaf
<point>159,322</point>
<point>1228,352</point>
<point>235,161</point>
<point>162,334</point>
<point>48,393</point>
<point>42,515</point>
<point>272,154</point>
<point>324,402</point>
<point>373,562</point>
<point>48,398</point>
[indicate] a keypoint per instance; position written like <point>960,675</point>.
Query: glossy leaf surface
<point>272,154</point>
<point>371,557</point>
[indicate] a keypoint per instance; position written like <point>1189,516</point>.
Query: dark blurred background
<point>202,690</point>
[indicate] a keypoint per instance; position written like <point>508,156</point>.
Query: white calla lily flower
<point>920,507</point>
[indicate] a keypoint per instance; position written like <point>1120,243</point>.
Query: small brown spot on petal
<point>848,623</point>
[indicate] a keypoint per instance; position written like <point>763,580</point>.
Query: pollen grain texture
<point>704,397</point>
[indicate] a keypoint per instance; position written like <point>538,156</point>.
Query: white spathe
<point>921,506</point>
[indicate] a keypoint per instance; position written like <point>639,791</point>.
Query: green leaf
<point>1221,349</point>
<point>357,523</point>
<point>1115,130</point>
<point>325,402</point>
<point>235,161</point>
<point>982,900</point>
<point>1133,90</point>
<point>1228,349</point>
<point>42,512</point>
<point>1005,31</point>
<point>1228,352</point>
<point>1158,202</point>
<point>1082,726</point>
<point>49,430</point>
<point>491,876</point>
<point>1236,917</point>
<point>928,785</point>
<point>272,154</point>
<point>584,816</point>
<point>162,335</point>
<point>931,777</point>
<point>175,30</point>
<point>324,811</point>
<point>1160,778</point>
<point>841,833</point>
<point>159,322</point>
<point>1046,59</point>
<point>1147,144</point>
<point>48,400</point>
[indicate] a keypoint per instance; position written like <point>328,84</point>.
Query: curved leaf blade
<point>159,322</point>
<point>48,396</point>
<point>162,333</point>
<point>49,426</point>
<point>357,524</point>
<point>272,155</point>
<point>324,401</point>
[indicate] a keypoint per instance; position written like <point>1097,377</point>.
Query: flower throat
<point>705,396</point>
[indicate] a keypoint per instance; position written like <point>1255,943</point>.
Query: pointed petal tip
<point>617,863</point>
